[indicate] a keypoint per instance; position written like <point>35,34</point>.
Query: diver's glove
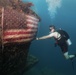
<point>37,38</point>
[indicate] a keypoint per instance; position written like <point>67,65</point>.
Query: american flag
<point>26,34</point>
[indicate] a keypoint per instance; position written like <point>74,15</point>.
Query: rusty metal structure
<point>18,28</point>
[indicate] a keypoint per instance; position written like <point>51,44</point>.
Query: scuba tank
<point>68,42</point>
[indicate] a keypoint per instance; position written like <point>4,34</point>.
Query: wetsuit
<point>62,41</point>
<point>62,44</point>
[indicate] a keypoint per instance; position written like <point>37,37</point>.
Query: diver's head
<point>52,28</point>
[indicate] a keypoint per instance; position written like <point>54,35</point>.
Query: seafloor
<point>32,69</point>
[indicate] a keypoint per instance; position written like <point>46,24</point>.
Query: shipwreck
<point>18,28</point>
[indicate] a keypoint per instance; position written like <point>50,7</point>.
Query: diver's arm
<point>44,37</point>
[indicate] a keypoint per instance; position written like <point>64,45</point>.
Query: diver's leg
<point>71,56</point>
<point>66,55</point>
<point>64,49</point>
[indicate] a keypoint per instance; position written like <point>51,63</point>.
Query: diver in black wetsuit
<point>61,41</point>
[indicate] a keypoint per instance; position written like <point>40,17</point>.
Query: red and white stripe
<point>22,35</point>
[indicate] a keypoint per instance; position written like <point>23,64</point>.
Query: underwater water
<point>61,13</point>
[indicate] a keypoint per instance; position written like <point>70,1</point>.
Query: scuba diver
<point>62,40</point>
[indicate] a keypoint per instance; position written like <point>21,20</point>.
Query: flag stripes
<point>22,35</point>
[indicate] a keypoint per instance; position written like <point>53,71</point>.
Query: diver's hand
<point>37,38</point>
